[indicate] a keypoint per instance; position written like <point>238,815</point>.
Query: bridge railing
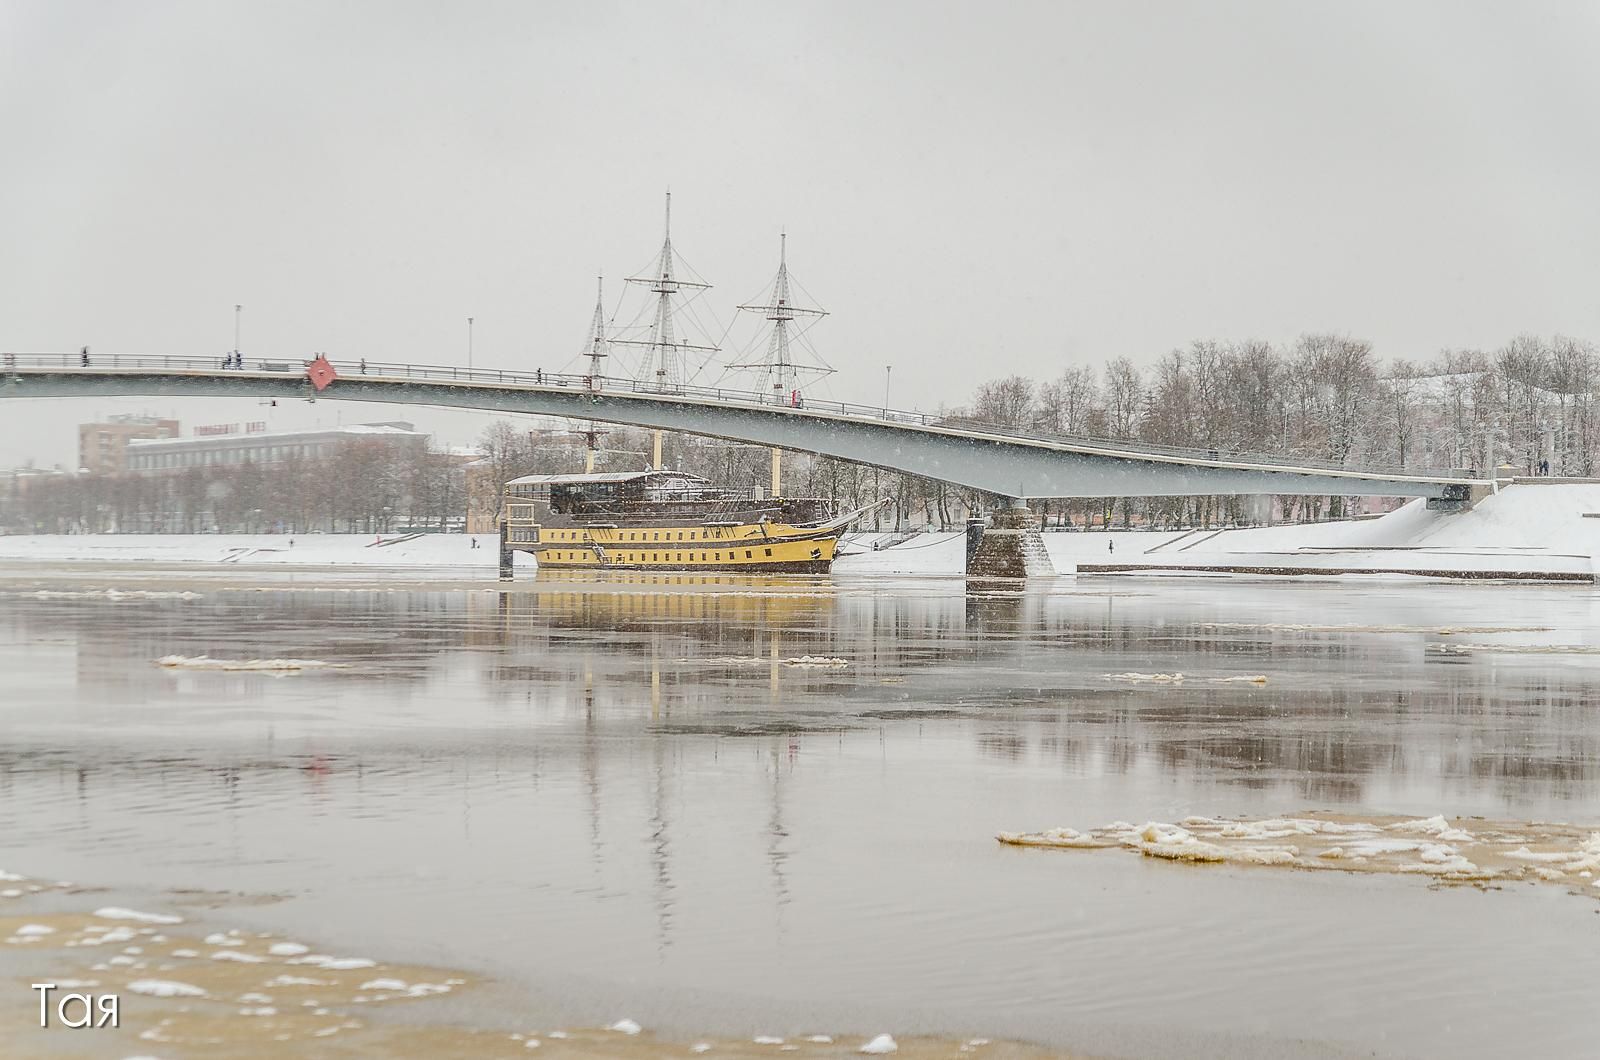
<point>380,371</point>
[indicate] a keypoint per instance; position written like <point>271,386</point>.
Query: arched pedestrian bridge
<point>1006,461</point>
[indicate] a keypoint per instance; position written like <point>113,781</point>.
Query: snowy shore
<point>1536,531</point>
<point>1533,531</point>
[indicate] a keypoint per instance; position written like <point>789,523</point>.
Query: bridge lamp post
<point>469,344</point>
<point>237,309</point>
<point>886,370</point>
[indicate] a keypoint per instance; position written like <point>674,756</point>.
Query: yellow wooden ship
<point>668,521</point>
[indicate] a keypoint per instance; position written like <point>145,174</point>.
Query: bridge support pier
<point>505,554</point>
<point>1010,547</point>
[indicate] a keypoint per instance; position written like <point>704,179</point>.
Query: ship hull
<point>815,566</point>
<point>748,549</point>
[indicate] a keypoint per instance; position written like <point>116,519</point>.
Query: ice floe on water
<point>1441,631</point>
<point>384,984</point>
<point>235,955</point>
<point>102,594</point>
<point>233,1000</point>
<point>799,662</point>
<point>1178,678</point>
<point>1517,649</point>
<point>271,666</point>
<point>165,988</point>
<point>1471,850</point>
<point>118,913</point>
<point>817,662</point>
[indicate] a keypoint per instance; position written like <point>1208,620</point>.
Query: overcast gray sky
<point>971,189</point>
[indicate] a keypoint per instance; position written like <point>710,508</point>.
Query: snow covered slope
<point>1535,530</point>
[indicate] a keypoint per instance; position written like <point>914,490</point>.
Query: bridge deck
<point>1008,461</point>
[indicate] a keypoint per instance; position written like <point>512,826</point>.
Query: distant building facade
<point>251,443</point>
<point>103,447</point>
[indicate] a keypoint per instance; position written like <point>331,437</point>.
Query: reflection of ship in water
<point>691,606</point>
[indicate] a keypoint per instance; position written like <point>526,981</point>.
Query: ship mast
<point>599,346</point>
<point>782,373</point>
<point>599,349</point>
<point>780,311</point>
<point>664,353</point>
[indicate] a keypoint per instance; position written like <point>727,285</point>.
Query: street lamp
<point>237,309</point>
<point>886,370</point>
<point>469,344</point>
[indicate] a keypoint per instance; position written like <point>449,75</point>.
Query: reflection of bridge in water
<point>1001,460</point>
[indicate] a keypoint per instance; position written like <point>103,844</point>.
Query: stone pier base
<point>506,568</point>
<point>1010,547</point>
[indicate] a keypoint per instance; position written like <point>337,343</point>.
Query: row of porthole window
<point>655,557</point>
<point>583,535</point>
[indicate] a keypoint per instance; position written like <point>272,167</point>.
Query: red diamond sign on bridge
<point>321,373</point>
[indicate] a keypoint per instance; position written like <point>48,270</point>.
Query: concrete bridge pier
<point>506,569</point>
<point>1010,547</point>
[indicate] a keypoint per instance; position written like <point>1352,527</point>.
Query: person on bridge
<point>84,357</point>
<point>363,366</point>
<point>1111,546</point>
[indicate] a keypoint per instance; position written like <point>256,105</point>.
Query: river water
<point>751,806</point>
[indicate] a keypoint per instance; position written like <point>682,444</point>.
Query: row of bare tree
<point>1532,405</point>
<point>364,485</point>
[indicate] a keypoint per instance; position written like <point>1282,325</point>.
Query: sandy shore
<point>185,991</point>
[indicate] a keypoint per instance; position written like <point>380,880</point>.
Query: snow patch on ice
<point>883,1043</point>
<point>623,1026</point>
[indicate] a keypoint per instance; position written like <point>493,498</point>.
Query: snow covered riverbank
<point>1528,530</point>
<point>936,553</point>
